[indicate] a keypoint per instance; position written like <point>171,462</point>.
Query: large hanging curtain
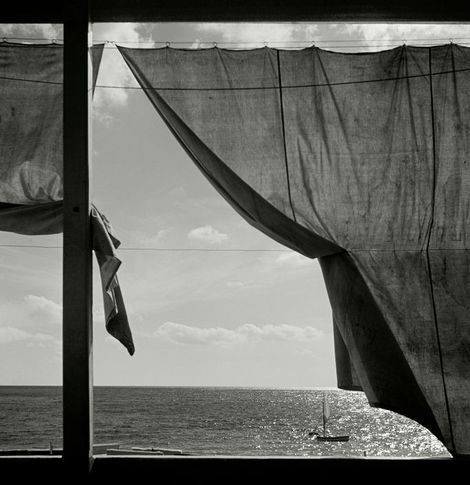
<point>361,160</point>
<point>31,161</point>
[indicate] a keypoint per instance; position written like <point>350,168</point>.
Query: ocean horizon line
<point>188,386</point>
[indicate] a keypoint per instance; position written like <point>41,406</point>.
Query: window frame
<point>77,17</point>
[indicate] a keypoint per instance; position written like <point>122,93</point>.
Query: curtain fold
<point>255,209</point>
<point>360,160</point>
<point>31,161</point>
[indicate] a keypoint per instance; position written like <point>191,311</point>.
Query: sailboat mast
<point>326,417</point>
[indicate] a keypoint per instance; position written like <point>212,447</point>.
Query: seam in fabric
<point>281,102</point>
<point>428,261</point>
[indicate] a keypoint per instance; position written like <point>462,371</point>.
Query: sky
<point>198,318</point>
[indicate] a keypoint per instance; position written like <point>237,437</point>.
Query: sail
<point>360,160</point>
<point>326,410</point>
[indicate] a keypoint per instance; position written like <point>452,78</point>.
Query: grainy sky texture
<point>199,318</point>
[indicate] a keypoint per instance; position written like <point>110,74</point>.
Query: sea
<point>218,421</point>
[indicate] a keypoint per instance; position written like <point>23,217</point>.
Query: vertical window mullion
<point>77,257</point>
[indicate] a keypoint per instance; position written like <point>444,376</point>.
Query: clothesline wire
<point>325,44</point>
<point>286,42</point>
<point>235,250</point>
<point>211,250</point>
<point>254,88</point>
<point>313,44</point>
<point>281,44</point>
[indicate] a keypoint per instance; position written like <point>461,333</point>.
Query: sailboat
<point>326,416</point>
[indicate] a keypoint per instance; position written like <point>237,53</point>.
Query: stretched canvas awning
<point>360,160</point>
<point>31,161</point>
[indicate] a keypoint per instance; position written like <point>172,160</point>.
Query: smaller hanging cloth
<point>31,162</point>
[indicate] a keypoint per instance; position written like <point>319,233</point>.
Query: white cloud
<point>113,70</point>
<point>34,317</point>
<point>44,309</point>
<point>241,33</point>
<point>184,335</point>
<point>180,334</point>
<point>292,259</point>
<point>235,284</point>
<point>12,334</point>
<point>178,193</point>
<point>281,332</point>
<point>378,34</point>
<point>207,234</point>
<point>37,31</point>
<point>149,239</point>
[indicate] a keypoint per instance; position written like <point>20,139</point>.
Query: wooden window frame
<point>77,17</point>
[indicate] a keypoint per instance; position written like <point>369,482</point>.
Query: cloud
<point>113,70</point>
<point>180,334</point>
<point>417,32</point>
<point>293,259</point>
<point>38,31</point>
<point>280,332</point>
<point>207,234</point>
<point>12,334</point>
<point>146,239</point>
<point>241,33</point>
<point>376,35</point>
<point>44,309</point>
<point>412,34</point>
<point>235,284</point>
<point>178,193</point>
<point>32,314</point>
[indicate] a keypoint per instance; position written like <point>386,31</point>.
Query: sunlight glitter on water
<point>219,421</point>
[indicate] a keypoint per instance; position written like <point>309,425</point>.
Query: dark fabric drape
<point>361,160</point>
<point>31,161</point>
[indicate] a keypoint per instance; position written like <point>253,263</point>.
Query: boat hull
<point>333,438</point>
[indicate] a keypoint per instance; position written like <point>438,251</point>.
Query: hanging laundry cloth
<point>31,161</point>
